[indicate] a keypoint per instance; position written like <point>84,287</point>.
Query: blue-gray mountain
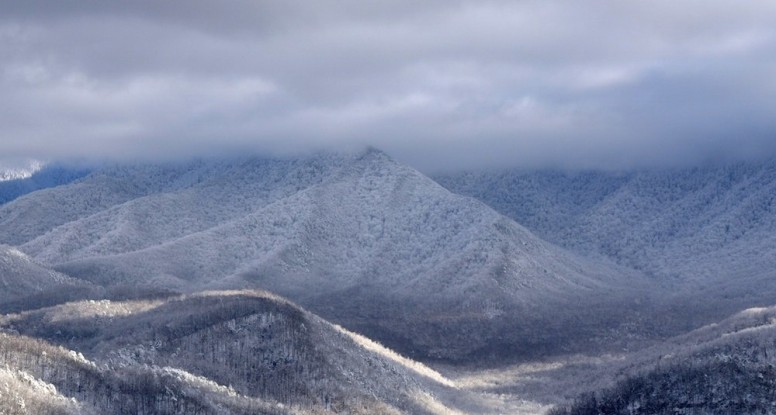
<point>378,247</point>
<point>707,233</point>
<point>359,239</point>
<point>48,176</point>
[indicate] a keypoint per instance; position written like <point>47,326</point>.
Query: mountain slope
<point>43,379</point>
<point>266,348</point>
<point>652,220</point>
<point>26,284</point>
<point>722,368</point>
<point>124,208</point>
<point>31,216</point>
<point>708,231</point>
<point>359,239</point>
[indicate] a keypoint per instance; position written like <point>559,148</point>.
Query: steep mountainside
<point>124,208</point>
<point>707,230</point>
<point>728,367</point>
<point>359,239</point>
<point>265,348</point>
<point>39,378</point>
<point>24,283</point>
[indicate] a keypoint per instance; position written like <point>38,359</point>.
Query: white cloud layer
<point>439,84</point>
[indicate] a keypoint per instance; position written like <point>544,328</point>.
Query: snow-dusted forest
<point>351,283</point>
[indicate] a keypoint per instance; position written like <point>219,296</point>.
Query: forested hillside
<point>155,274</point>
<point>170,355</point>
<point>357,238</point>
<point>708,233</point>
<point>728,367</point>
<point>676,223</point>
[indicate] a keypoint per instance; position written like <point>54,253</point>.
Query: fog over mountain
<point>439,85</point>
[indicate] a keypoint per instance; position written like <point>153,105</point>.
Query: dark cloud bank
<point>438,84</point>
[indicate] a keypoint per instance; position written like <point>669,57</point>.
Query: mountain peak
<point>371,151</point>
<point>345,235</point>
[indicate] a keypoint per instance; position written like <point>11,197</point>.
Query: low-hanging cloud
<point>439,84</point>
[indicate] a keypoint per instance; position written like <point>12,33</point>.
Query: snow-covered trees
<point>263,348</point>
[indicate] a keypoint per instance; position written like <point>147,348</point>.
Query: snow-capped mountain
<point>708,231</point>
<point>360,239</point>
<point>383,250</point>
<point>203,194</point>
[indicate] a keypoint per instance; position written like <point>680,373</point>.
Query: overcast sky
<point>438,84</point>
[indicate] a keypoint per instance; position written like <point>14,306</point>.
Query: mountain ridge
<point>707,233</point>
<point>361,231</point>
<point>261,345</point>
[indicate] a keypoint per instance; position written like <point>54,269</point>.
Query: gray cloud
<point>439,84</point>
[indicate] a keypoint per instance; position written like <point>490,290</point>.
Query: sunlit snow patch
<point>19,169</point>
